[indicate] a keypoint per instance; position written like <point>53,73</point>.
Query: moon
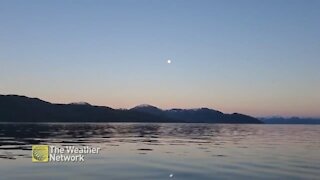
<point>169,61</point>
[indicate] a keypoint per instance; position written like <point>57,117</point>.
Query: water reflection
<point>22,136</point>
<point>200,151</point>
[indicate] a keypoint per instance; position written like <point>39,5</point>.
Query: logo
<point>51,153</point>
<point>40,153</point>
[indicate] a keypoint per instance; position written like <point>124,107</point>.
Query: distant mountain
<point>203,115</point>
<point>145,108</point>
<point>14,108</point>
<point>292,120</point>
<point>81,103</point>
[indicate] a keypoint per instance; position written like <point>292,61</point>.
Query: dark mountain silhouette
<point>291,120</point>
<point>203,115</point>
<point>148,109</point>
<point>14,108</point>
<point>81,103</point>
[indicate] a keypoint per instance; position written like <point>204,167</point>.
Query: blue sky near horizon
<point>261,58</point>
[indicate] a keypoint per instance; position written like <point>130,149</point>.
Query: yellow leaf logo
<point>40,153</point>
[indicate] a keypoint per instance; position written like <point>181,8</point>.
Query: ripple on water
<point>145,149</point>
<point>189,151</point>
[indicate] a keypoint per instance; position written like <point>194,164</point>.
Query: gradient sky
<point>258,57</point>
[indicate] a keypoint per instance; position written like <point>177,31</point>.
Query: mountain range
<point>15,108</point>
<point>290,120</point>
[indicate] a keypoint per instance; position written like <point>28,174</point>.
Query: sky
<point>258,57</point>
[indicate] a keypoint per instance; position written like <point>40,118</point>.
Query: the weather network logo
<point>51,153</point>
<point>40,153</point>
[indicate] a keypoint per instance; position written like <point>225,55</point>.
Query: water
<point>165,151</point>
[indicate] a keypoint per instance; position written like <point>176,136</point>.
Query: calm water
<point>154,151</point>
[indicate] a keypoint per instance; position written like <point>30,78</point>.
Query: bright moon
<point>169,61</point>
